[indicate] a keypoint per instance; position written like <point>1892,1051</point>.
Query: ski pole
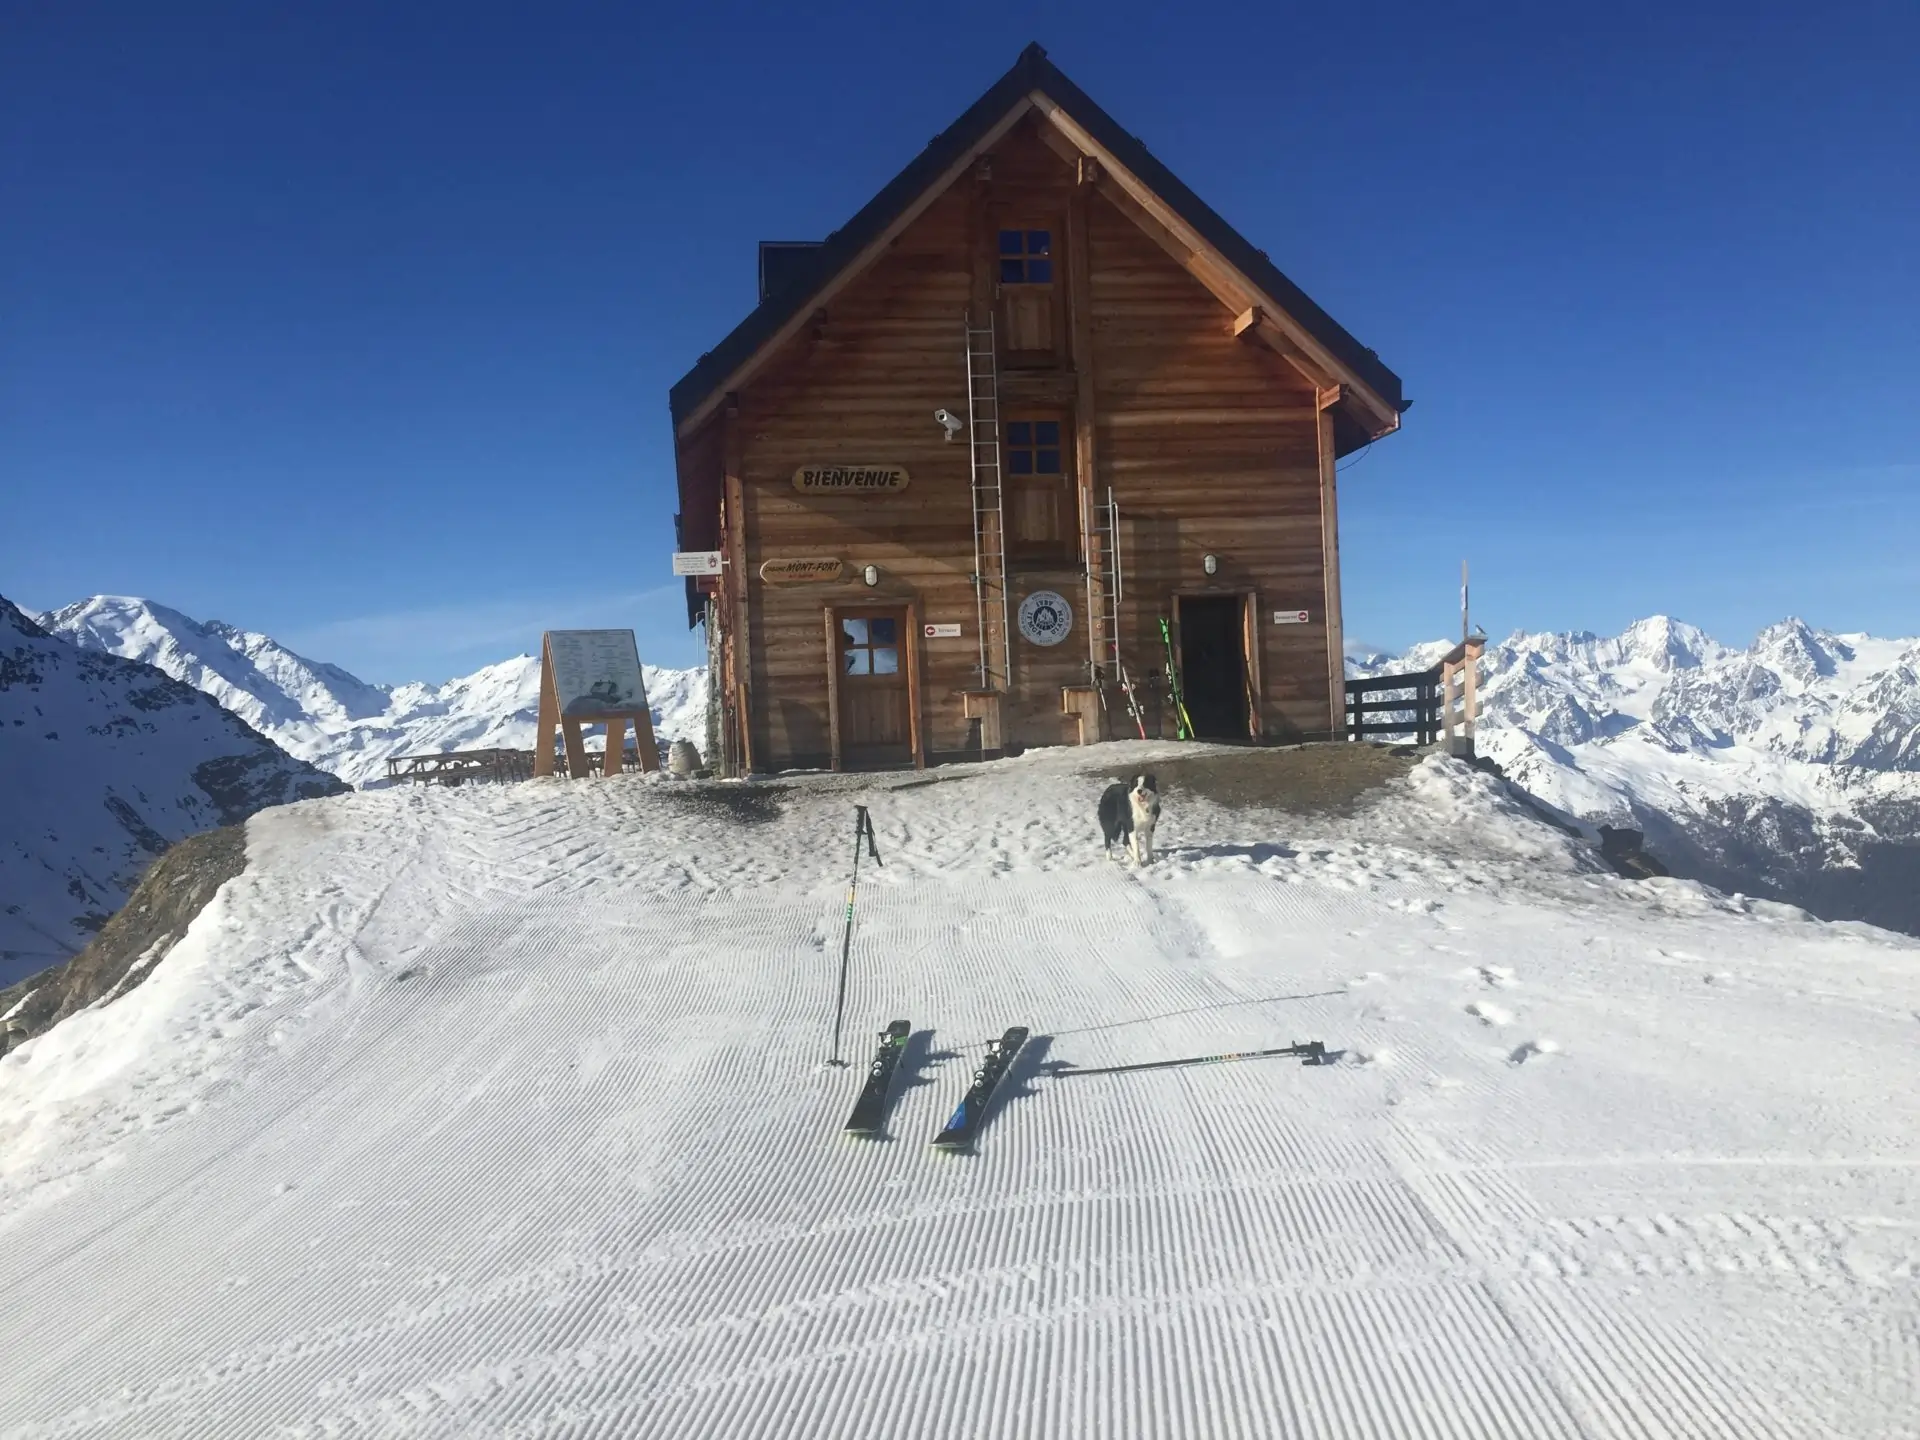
<point>1313,1051</point>
<point>862,827</point>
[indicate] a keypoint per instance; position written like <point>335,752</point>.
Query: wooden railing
<point>1423,704</point>
<point>1411,706</point>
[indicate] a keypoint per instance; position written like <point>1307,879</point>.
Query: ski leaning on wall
<point>1182,723</point>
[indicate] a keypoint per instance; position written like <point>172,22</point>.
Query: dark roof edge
<point>1032,71</point>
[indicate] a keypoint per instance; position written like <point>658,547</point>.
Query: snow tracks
<point>557,1155</point>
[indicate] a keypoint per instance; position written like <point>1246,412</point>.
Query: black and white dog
<point>1129,814</point>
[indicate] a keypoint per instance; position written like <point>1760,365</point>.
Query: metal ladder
<point>1102,528</point>
<point>989,505</point>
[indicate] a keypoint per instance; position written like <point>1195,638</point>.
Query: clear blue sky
<point>355,323</point>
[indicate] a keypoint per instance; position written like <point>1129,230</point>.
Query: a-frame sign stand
<point>554,716</point>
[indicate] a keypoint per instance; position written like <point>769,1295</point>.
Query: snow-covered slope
<point>502,1111</point>
<point>324,715</point>
<point>1790,767</point>
<point>104,762</point>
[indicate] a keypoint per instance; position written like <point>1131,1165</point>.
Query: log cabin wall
<point>1209,442</point>
<point>860,386</point>
<point>1211,445</point>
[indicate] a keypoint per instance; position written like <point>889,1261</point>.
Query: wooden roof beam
<point>1253,321</point>
<point>1235,290</point>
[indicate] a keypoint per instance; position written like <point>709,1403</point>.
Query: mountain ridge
<point>1789,768</point>
<point>329,717</point>
<point>107,762</point>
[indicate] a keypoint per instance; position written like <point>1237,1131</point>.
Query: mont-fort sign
<point>850,479</point>
<point>810,570</point>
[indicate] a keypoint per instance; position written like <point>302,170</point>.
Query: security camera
<point>952,422</point>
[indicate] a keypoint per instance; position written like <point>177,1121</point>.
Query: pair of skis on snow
<point>869,1111</point>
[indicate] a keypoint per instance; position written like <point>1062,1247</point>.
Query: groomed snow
<point>501,1111</point>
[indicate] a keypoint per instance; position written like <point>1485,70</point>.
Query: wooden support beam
<point>1246,320</point>
<point>833,688</point>
<point>1330,580</point>
<point>912,642</point>
<point>732,446</point>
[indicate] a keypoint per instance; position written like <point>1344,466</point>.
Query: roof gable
<point>1034,82</point>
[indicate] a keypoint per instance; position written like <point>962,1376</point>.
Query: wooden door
<point>872,659</point>
<point>1030,328</point>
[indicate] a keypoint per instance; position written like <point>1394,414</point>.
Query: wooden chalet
<point>971,449</point>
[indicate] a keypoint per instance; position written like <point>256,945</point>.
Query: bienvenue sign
<point>850,479</point>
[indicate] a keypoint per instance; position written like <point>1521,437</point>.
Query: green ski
<point>1183,724</point>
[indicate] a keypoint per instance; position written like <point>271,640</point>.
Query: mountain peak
<point>1669,644</point>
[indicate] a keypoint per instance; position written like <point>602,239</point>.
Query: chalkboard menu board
<point>596,672</point>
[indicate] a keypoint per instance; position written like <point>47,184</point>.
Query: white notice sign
<point>596,672</point>
<point>940,632</point>
<point>1289,617</point>
<point>696,562</point>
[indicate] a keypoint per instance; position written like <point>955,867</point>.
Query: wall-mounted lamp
<point>1210,563</point>
<point>871,574</point>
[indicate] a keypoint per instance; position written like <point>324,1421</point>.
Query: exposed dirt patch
<point>748,804</point>
<point>1301,779</point>
<point>174,890</point>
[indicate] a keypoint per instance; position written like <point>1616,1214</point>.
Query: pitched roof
<point>811,273</point>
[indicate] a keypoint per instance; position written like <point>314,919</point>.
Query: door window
<point>870,645</point>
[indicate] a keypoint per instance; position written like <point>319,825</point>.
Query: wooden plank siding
<point>1209,441</point>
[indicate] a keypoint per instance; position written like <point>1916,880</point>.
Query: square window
<point>886,661</point>
<point>1020,432</point>
<point>1045,432</point>
<point>854,631</point>
<point>859,662</point>
<point>1020,462</point>
<point>1046,462</point>
<point>881,629</point>
<point>1026,257</point>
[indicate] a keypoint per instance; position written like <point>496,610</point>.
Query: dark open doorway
<point>1213,665</point>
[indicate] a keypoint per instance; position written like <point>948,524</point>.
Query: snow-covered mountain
<point>104,762</point>
<point>1791,767</point>
<point>342,724</point>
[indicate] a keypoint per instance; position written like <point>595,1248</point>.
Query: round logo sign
<point>1045,617</point>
